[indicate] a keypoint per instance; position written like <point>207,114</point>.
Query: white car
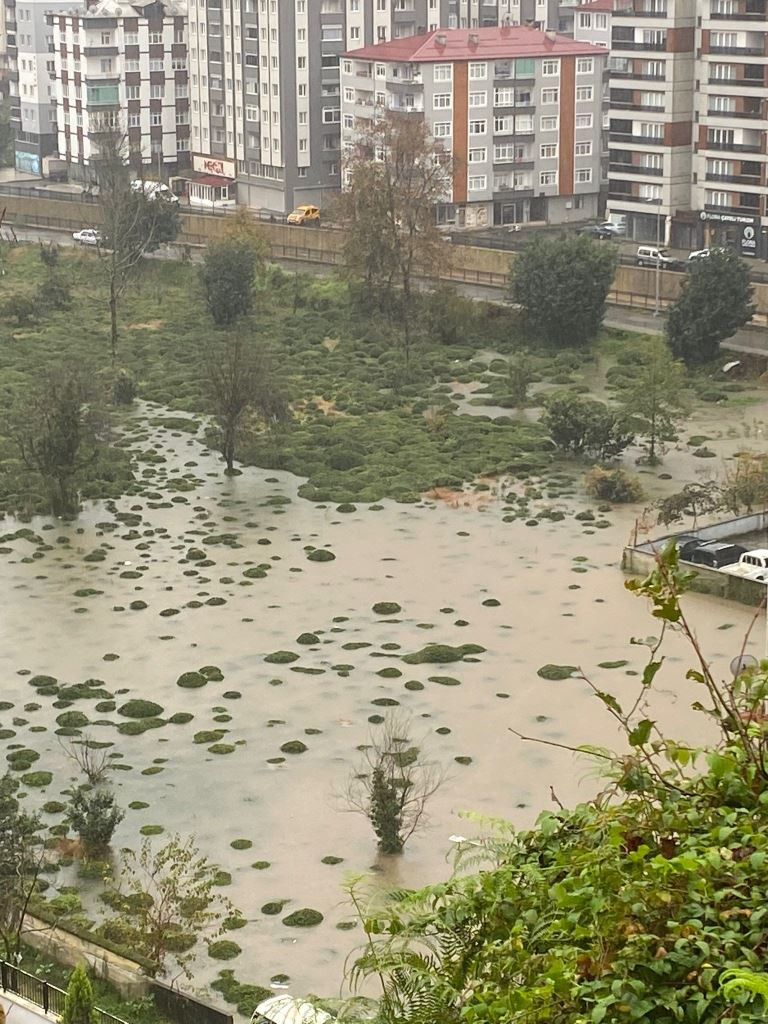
<point>88,236</point>
<point>154,190</point>
<point>699,254</point>
<point>614,228</point>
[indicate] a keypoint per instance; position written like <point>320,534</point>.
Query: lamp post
<point>657,286</point>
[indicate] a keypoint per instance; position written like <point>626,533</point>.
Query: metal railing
<point>42,993</point>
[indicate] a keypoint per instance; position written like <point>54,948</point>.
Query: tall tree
<point>229,270</point>
<point>654,402</point>
<point>78,1002</point>
<point>166,900</point>
<point>132,224</point>
<point>585,426</point>
<point>561,285</point>
<point>94,815</point>
<point>58,428</point>
<point>395,176</point>
<point>22,856</point>
<point>241,388</point>
<point>714,302</point>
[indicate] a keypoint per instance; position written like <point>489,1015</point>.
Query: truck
<point>752,565</point>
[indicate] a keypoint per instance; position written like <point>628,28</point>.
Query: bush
<point>78,1004</point>
<point>124,388</point>
<point>21,308</point>
<point>614,485</point>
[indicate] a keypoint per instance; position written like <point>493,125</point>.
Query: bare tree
<point>393,784</point>
<point>242,393</point>
<point>92,759</point>
<point>132,223</point>
<point>22,856</point>
<point>396,175</point>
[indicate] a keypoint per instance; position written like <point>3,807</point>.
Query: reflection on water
<point>441,563</point>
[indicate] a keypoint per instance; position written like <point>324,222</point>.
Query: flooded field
<point>207,572</point>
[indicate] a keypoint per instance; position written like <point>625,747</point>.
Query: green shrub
<point>614,485</point>
<point>78,1003</point>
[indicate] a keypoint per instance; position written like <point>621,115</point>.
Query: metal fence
<point>42,993</point>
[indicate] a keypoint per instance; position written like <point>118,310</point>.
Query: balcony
<point>617,105</point>
<point>739,16</point>
<point>635,74</point>
<point>656,172</point>
<point>750,115</point>
<point>632,44</point>
<point>629,12</point>
<point>745,211</point>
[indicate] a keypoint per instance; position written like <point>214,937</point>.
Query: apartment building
<point>31,85</point>
<point>518,109</point>
<point>730,161</point>
<point>122,65</point>
<point>265,91</point>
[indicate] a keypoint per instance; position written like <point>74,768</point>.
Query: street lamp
<point>657,304</point>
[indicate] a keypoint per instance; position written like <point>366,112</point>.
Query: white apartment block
<point>518,110</point>
<point>122,65</point>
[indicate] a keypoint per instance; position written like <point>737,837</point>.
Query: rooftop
<point>125,8</point>
<point>596,5</point>
<point>498,43</point>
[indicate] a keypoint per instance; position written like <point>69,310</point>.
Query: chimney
<point>441,39</point>
<point>552,36</point>
<point>474,39</point>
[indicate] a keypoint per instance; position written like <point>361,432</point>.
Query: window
<point>442,73</point>
<point>601,21</point>
<point>649,191</point>
<point>441,101</point>
<point>106,66</point>
<point>478,127</point>
<point>549,124</point>
<point>331,115</point>
<point>525,67</point>
<point>181,90</point>
<point>722,104</point>
<point>583,149</point>
<point>649,129</point>
<point>550,95</point>
<point>652,99</point>
<point>583,175</point>
<point>585,66</point>
<point>478,156</point>
<point>478,182</point>
<point>132,65</point>
<point>478,99</point>
<point>156,117</point>
<point>718,199</point>
<point>157,65</point>
<point>503,97</point>
<point>504,152</point>
<point>179,64</point>
<point>442,129</point>
<point>134,120</point>
<point>106,38</point>
<point>331,33</point>
<point>132,92</point>
<point>524,123</point>
<point>478,70</point>
<point>548,178</point>
<point>157,37</point>
<point>349,95</point>
<point>156,92</point>
<point>585,20</point>
<point>584,93</point>
<point>550,68</point>
<point>548,151</point>
<point>725,72</point>
<point>723,40</point>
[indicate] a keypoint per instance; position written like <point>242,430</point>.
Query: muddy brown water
<point>427,558</point>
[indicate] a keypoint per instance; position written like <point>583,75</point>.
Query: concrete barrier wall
<point>632,285</point>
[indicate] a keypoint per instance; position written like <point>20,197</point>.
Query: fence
<point>43,994</point>
<point>185,1009</point>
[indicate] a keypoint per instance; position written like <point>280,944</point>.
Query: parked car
<point>598,231</point>
<point>154,190</point>
<point>699,254</point>
<point>88,236</point>
<point>751,564</point>
<point>616,227</point>
<point>305,215</point>
<point>649,255</point>
<point>715,554</point>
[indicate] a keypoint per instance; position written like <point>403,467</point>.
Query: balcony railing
<point>745,16</point>
<point>635,169</point>
<point>749,211</point>
<point>640,140</point>
<point>747,51</point>
<point>736,179</point>
<point>622,105</point>
<point>635,74</point>
<point>630,12</point>
<point>750,115</point>
<point>631,44</point>
<point>739,83</point>
<point>733,147</point>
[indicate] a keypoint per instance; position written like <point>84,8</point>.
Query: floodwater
<point>561,599</point>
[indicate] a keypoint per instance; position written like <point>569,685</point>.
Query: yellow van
<point>305,215</point>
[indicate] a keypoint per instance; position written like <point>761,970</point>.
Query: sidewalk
<point>19,1011</point>
<point>749,340</point>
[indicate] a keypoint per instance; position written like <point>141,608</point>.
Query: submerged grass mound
<point>442,654</point>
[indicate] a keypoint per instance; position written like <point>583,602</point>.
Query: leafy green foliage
<point>715,300</point>
<point>561,285</point>
<point>78,1003</point>
<point>94,815</point>
<point>164,902</point>
<point>616,485</point>
<point>585,426</point>
<point>228,274</point>
<point>21,858</point>
<point>654,401</point>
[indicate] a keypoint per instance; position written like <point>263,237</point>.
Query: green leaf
<point>639,735</point>
<point>650,670</point>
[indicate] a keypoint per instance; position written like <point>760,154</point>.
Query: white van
<point>647,256</point>
<point>154,190</point>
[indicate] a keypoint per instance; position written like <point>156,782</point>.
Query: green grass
<point>376,442</point>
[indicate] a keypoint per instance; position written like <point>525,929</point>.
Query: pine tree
<point>78,1004</point>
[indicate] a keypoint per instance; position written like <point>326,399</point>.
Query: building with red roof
<point>518,109</point>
